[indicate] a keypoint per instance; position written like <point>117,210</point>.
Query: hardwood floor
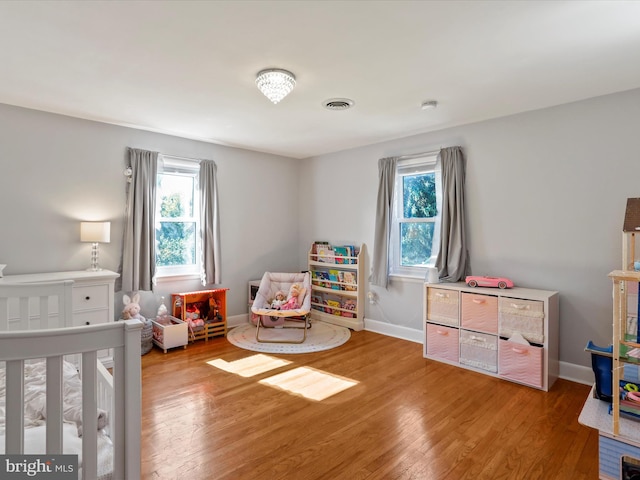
<point>406,418</point>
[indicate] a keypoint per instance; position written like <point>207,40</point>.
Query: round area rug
<point>321,336</point>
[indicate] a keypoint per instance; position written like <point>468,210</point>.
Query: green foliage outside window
<point>419,202</point>
<point>175,240</point>
<point>419,196</point>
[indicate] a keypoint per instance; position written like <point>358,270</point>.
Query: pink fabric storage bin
<point>479,312</point>
<point>442,342</point>
<point>479,350</point>
<point>442,305</point>
<point>521,363</point>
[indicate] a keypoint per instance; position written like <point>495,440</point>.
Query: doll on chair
<point>295,297</point>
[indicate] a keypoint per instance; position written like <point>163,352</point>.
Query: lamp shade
<point>95,232</point>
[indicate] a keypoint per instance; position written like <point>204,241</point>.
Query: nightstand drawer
<point>90,297</point>
<point>92,317</point>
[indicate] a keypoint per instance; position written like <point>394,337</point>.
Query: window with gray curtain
<point>453,258</point>
<point>210,223</point>
<point>138,265</point>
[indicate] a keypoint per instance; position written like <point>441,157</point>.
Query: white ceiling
<point>188,68</point>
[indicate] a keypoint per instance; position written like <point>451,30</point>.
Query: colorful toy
<point>279,300</point>
<point>483,281</point>
<point>214,311</point>
<point>296,293</point>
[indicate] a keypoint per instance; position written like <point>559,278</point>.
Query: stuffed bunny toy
<point>131,307</point>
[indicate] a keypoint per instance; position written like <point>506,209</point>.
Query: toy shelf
<point>205,312</point>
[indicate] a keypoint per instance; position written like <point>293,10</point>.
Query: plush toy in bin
<point>132,310</point>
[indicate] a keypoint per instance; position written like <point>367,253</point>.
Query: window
<point>177,218</point>
<point>415,234</point>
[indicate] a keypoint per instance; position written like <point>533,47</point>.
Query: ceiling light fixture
<point>429,105</point>
<point>275,83</point>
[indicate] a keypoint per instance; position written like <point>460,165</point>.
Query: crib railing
<point>123,401</point>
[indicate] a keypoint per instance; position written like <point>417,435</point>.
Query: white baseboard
<point>577,373</point>
<point>568,371</point>
<point>396,331</point>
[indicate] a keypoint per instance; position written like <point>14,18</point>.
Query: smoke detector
<point>338,104</point>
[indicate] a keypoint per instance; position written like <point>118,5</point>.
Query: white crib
<point>35,324</point>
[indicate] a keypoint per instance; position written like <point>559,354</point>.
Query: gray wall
<point>57,171</point>
<point>546,194</point>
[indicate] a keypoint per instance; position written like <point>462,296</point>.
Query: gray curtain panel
<point>138,264</point>
<point>380,260</point>
<point>210,221</point>
<point>453,257</point>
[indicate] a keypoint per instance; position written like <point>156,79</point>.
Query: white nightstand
<point>92,293</point>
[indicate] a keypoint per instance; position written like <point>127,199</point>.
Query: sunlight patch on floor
<point>249,366</point>
<point>309,383</point>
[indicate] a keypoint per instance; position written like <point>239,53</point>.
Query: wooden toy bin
<point>210,306</point>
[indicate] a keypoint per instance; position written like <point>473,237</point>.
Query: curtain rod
<point>417,155</point>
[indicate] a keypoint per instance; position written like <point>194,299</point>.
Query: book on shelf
<point>348,280</point>
<point>317,301</point>
<point>350,305</point>
<point>334,277</point>
<point>323,279</point>
<point>341,254</point>
<point>316,245</point>
<point>325,253</point>
<point>334,307</point>
<point>353,253</point>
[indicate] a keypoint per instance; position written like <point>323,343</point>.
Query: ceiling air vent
<point>338,104</point>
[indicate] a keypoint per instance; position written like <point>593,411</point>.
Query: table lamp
<point>95,233</point>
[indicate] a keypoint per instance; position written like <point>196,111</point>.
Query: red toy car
<point>479,281</point>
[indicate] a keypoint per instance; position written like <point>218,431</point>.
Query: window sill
<point>406,278</point>
<point>176,277</point>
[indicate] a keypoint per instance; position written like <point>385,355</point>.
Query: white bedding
<point>35,411</point>
<point>35,415</point>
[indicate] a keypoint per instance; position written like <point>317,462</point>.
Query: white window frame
<point>413,166</point>
<point>187,168</point>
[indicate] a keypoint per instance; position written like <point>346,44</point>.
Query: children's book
<point>323,279</point>
<point>353,253</point>
<point>335,305</point>
<point>341,254</point>
<point>349,281</point>
<point>349,304</point>
<point>316,247</point>
<point>334,276</point>
<point>325,254</point>
<point>317,301</point>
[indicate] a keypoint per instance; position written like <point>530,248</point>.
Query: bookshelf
<point>337,284</point>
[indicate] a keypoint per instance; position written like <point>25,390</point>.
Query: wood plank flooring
<point>406,418</point>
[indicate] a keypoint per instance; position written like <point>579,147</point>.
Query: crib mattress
<point>34,444</point>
